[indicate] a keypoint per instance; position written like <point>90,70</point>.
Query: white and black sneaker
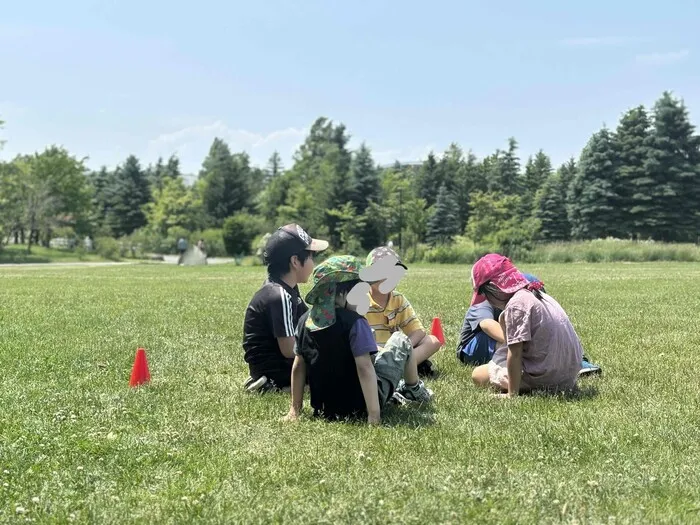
<point>260,385</point>
<point>418,393</point>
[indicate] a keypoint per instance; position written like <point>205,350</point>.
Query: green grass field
<point>76,444</point>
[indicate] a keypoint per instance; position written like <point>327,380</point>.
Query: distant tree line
<point>638,181</point>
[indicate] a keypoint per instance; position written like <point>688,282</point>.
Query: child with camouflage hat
<point>347,375</point>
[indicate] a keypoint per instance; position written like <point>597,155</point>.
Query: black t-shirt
<point>334,385</point>
<point>273,312</point>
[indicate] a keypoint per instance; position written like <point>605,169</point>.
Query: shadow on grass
<point>412,416</point>
<point>580,393</point>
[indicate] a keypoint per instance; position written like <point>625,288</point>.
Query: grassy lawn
<point>17,254</point>
<point>77,444</point>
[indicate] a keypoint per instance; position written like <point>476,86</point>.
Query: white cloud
<point>597,41</point>
<point>388,157</point>
<point>192,143</point>
<point>662,59</point>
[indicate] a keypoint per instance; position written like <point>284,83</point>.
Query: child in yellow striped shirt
<point>390,311</point>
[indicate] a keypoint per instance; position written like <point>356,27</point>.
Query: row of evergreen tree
<point>640,180</point>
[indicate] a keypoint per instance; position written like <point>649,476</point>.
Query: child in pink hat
<point>542,350</point>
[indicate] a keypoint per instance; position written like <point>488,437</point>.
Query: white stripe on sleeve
<point>287,313</point>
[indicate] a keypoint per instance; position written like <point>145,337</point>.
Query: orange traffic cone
<point>139,372</point>
<point>436,330</point>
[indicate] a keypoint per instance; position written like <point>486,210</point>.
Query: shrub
<point>462,251</point>
<point>610,250</point>
<point>108,248</point>
<point>239,230</point>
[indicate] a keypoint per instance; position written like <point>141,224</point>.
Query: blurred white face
<point>358,298</point>
<point>386,272</point>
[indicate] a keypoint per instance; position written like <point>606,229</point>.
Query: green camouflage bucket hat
<point>334,270</point>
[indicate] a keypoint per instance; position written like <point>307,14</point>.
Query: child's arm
<point>409,323</point>
<point>416,337</point>
<point>493,329</point>
<point>298,380</point>
<point>286,345</point>
<point>368,382</point>
<point>279,314</point>
<point>518,333</point>
<point>514,362</point>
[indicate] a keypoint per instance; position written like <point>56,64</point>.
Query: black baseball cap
<point>290,240</point>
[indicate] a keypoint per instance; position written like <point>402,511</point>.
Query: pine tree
<point>226,187</point>
<point>470,178</point>
<point>449,169</point>
<point>509,170</point>
<point>632,138</point>
<point>673,164</point>
<point>274,168</point>
<point>595,201</point>
<point>172,169</point>
<point>537,171</point>
<point>550,208</point>
<point>426,179</point>
<point>444,224</point>
<point>364,180</point>
<point>155,175</point>
<point>126,197</point>
<point>568,172</point>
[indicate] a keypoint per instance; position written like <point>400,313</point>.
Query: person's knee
<point>429,345</point>
<point>432,342</point>
<point>480,375</point>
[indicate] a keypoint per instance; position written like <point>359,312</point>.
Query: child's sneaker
<point>260,385</point>
<point>398,399</point>
<point>417,392</point>
<point>588,368</point>
<point>427,369</point>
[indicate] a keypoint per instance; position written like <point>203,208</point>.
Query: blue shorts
<point>478,351</point>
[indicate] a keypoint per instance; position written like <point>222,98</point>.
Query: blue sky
<point>110,78</point>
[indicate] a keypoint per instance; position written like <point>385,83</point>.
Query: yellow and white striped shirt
<point>397,315</point>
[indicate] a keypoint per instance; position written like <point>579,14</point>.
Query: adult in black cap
<point>273,312</point>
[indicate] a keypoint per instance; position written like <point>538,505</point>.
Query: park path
<point>167,259</point>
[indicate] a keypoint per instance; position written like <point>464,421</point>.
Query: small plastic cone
<point>139,372</point>
<point>436,330</point>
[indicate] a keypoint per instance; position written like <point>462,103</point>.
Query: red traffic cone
<point>139,372</point>
<point>436,330</point>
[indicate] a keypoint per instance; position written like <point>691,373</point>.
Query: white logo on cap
<point>303,235</point>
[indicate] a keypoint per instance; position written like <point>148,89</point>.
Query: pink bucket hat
<point>499,270</point>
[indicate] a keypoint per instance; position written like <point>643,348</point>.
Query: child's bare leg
<point>427,347</point>
<point>480,376</point>
<point>410,371</point>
